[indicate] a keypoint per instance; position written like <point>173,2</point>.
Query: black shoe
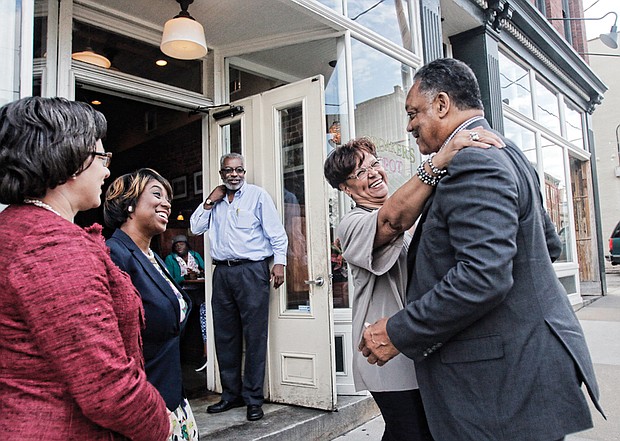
<point>224,405</point>
<point>255,412</point>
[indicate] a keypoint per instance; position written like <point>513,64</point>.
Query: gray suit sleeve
<point>468,245</point>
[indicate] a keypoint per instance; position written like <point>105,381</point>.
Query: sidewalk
<point>600,319</point>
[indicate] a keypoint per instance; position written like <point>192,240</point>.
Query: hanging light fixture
<point>88,55</point>
<point>91,57</point>
<point>184,37</point>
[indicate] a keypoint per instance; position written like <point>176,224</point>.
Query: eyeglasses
<point>105,157</point>
<point>362,172</point>
<point>229,170</point>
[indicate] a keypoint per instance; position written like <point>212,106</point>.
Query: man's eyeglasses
<point>362,172</point>
<point>105,157</point>
<point>229,170</point>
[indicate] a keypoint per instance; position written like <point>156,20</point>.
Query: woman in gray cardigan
<point>375,244</point>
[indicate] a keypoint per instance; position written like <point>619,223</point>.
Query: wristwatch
<point>209,202</point>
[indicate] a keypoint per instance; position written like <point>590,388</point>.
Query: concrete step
<point>283,422</point>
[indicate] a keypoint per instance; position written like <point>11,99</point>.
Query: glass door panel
<point>292,151</point>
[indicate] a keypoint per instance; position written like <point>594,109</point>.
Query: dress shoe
<point>225,405</point>
<point>255,412</point>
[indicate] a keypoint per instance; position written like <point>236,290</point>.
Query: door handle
<point>319,281</point>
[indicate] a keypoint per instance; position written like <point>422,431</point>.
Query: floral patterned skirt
<point>183,423</point>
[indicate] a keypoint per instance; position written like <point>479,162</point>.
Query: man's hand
<point>277,275</point>
<point>215,196</point>
<point>376,345</point>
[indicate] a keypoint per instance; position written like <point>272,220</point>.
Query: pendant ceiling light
<point>184,37</point>
<point>91,57</point>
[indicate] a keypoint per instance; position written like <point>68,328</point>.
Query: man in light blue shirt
<point>245,231</point>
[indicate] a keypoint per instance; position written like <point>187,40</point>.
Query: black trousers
<point>404,416</point>
<point>240,306</point>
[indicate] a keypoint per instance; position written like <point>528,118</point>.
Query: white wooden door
<point>281,133</point>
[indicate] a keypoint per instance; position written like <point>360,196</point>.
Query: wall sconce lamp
<point>610,39</point>
<point>184,37</point>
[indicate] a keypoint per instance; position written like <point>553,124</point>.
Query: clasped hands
<point>376,345</point>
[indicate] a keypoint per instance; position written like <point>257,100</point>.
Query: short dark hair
<point>453,77</point>
<point>43,142</point>
<point>124,193</point>
<point>344,159</point>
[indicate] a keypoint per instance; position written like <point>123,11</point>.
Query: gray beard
<point>233,187</point>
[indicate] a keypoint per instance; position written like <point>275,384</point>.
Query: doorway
<point>281,134</point>
<point>145,134</point>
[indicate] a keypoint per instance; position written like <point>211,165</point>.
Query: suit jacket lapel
<point>150,270</point>
<point>415,240</point>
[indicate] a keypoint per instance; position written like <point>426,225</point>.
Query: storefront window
<point>556,197</point>
<point>573,125</point>
<point>336,109</point>
<point>523,138</point>
<point>137,58</point>
<point>515,85</point>
<point>547,111</point>
<point>380,85</point>
<point>390,18</point>
<point>10,30</point>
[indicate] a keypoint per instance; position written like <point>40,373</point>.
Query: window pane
<point>336,108</point>
<point>10,21</point>
<point>523,138</point>
<point>292,148</point>
<point>380,85</point>
<point>515,84</point>
<point>556,197</point>
<point>574,125</point>
<point>137,58</point>
<point>390,18</point>
<point>547,111</point>
<point>231,138</point>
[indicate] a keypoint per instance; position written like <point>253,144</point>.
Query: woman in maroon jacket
<point>71,364</point>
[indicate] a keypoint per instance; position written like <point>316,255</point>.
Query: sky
<point>598,9</point>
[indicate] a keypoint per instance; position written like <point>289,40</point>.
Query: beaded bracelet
<point>427,178</point>
<point>437,171</point>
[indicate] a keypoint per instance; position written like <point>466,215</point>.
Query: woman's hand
<point>476,137</point>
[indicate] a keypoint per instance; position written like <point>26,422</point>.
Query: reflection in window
<point>547,111</point>
<point>574,125</point>
<point>380,85</point>
<point>336,107</point>
<point>137,58</point>
<point>390,18</point>
<point>10,52</point>
<point>556,197</point>
<point>523,138</point>
<point>231,138</point>
<point>292,150</point>
<point>515,85</point>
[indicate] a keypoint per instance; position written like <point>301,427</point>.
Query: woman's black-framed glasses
<point>105,157</point>
<point>229,170</point>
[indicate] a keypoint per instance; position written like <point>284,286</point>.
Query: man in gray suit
<point>499,352</point>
